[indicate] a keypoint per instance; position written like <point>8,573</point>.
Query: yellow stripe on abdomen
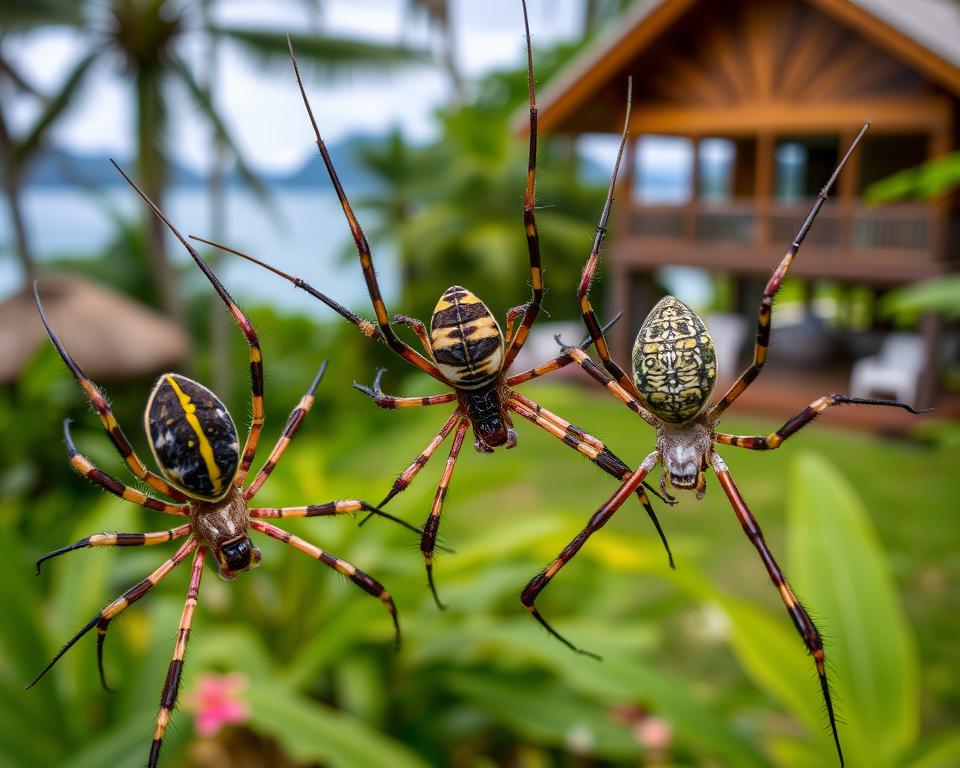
<point>203,444</point>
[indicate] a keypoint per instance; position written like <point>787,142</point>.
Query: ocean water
<point>304,233</point>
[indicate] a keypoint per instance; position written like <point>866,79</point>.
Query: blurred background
<point>740,113</point>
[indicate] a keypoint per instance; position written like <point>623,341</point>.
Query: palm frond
<point>55,108</point>
<point>20,15</point>
<point>331,58</point>
<point>202,101</point>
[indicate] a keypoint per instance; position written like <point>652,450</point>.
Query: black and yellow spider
<point>674,373</point>
<point>194,442</point>
<point>465,351</point>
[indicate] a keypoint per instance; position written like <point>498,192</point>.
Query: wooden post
<point>931,325</point>
<point>848,189</point>
<point>616,293</point>
<point>763,189</point>
<point>693,203</point>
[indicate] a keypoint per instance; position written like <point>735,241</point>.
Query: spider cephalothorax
<point>195,444</point>
<point>674,372</point>
<point>465,350</point>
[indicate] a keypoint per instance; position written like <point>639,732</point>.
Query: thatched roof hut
<point>111,336</point>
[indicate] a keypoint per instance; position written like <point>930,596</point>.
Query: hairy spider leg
<point>801,619</point>
<point>363,248</point>
<point>253,341</point>
<point>429,540</point>
<point>171,686</point>
<point>770,291</point>
<point>296,418</point>
<point>120,540</point>
<point>531,309</point>
<point>591,447</point>
<point>539,582</point>
<point>102,620</point>
<point>367,583</point>
<point>583,289</point>
<point>85,467</point>
<point>390,402</point>
<point>110,425</point>
<point>795,423</point>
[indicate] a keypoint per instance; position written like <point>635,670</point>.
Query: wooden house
<point>776,89</point>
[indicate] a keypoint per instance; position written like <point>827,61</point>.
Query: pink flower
<point>215,701</point>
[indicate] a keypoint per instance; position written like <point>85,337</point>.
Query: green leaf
<point>549,715</point>
<point>940,294</point>
<point>839,569</point>
<point>310,731</point>
<point>943,753</point>
<point>332,57</point>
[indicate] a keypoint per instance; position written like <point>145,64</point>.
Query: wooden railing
<point>906,227</point>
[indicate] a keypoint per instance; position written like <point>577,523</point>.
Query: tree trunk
<point>221,378</point>
<point>12,188</point>
<point>152,175</point>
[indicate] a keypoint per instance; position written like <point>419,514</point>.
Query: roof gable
<point>741,52</point>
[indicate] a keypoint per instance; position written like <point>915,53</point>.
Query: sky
<point>263,108</point>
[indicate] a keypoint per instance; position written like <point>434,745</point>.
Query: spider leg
<point>429,540</point>
<point>119,540</point>
<point>583,289</point>
<point>406,477</point>
<point>773,285</point>
<point>800,420</point>
<point>367,583</point>
<point>558,362</point>
<point>366,327</point>
<point>342,507</point>
<point>531,309</point>
<point>85,467</point>
<point>589,446</point>
<point>389,402</point>
<point>253,341</point>
<point>102,620</point>
<point>363,247</point>
<point>539,582</point>
<point>110,425</point>
<point>297,415</point>
<point>171,686</point>
<point>622,394</point>
<point>418,328</point>
<point>801,619</point>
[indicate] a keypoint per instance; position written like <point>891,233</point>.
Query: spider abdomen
<point>466,340</point>
<point>192,436</point>
<point>674,362</point>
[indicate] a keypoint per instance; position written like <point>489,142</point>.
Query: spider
<point>194,442</point>
<point>674,373</point>
<point>465,351</point>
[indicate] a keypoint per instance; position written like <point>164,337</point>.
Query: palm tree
<point>143,39</point>
<point>16,18</point>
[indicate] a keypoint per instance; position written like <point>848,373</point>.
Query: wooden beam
<point>749,118</point>
<point>905,47</point>
<point>590,74</point>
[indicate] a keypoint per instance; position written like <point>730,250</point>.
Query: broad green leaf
<point>838,568</point>
<point>943,753</point>
<point>311,731</point>
<point>549,715</point>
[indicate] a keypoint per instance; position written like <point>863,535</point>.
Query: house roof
<point>922,33</point>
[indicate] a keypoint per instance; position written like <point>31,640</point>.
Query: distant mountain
<point>62,168</point>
